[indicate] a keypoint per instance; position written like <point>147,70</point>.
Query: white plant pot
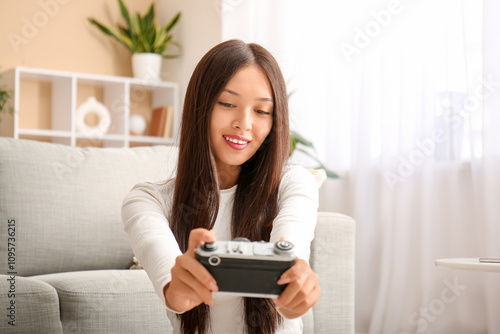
<point>146,65</point>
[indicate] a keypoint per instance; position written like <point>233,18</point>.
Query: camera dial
<point>209,246</point>
<point>283,247</point>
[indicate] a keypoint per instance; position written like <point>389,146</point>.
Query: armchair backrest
<point>332,258</point>
<point>66,202</point>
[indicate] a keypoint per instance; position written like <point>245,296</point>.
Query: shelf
<point>44,133</point>
<point>47,104</point>
<point>151,139</point>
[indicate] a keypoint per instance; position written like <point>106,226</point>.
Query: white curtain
<point>402,99</point>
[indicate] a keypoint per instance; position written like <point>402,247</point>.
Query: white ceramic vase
<point>146,65</point>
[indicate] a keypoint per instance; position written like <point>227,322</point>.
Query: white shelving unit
<point>122,96</point>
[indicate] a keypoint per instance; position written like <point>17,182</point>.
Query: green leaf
<point>175,55</point>
<point>149,29</point>
<point>5,103</point>
<point>293,145</point>
<point>141,33</point>
<point>124,30</point>
<point>329,173</point>
<point>151,40</point>
<point>149,17</point>
<point>125,13</point>
<point>289,93</point>
<point>299,139</point>
<point>173,21</point>
<point>141,40</point>
<point>113,33</point>
<point>160,41</point>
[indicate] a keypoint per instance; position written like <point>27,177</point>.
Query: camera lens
<point>214,260</point>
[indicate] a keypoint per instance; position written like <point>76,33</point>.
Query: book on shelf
<point>167,130</point>
<point>161,122</point>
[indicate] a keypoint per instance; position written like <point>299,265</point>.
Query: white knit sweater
<point>144,214</point>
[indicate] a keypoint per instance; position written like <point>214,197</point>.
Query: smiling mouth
<point>236,141</point>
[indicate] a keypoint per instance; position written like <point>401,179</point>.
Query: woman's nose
<point>243,120</point>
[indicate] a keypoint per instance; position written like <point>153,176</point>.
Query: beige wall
<point>56,35</point>
<point>201,29</point>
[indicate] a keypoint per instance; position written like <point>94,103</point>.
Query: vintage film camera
<point>247,268</point>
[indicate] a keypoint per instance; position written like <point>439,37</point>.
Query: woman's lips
<point>235,142</point>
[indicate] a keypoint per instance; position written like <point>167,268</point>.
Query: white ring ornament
<point>92,106</point>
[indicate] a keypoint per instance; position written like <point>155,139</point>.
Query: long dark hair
<point>196,195</point>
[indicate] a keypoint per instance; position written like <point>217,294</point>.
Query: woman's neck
<point>228,176</point>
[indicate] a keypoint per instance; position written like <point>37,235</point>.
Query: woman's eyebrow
<point>264,99</point>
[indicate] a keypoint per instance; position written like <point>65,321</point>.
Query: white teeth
<point>236,141</point>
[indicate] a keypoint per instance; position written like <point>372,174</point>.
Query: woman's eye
<point>262,112</point>
<point>227,105</point>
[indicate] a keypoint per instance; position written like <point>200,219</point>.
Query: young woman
<point>232,181</point>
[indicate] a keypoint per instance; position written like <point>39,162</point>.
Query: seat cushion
<point>66,202</point>
<point>108,301</point>
<point>35,306</point>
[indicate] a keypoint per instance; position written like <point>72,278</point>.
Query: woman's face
<point>242,118</point>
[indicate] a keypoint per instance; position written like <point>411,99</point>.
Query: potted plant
<point>5,105</point>
<point>300,144</point>
<point>144,38</point>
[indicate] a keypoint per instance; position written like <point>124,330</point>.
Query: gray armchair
<point>68,269</point>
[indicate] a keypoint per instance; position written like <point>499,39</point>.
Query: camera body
<point>245,268</point>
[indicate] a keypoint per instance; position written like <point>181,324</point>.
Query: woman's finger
<point>295,272</point>
<point>301,307</point>
<point>302,289</point>
<point>295,278</point>
<point>306,294</point>
<point>179,296</point>
<point>192,285</point>
<point>197,271</point>
<point>197,237</point>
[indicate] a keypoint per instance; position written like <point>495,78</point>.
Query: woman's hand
<point>191,283</point>
<point>302,291</point>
